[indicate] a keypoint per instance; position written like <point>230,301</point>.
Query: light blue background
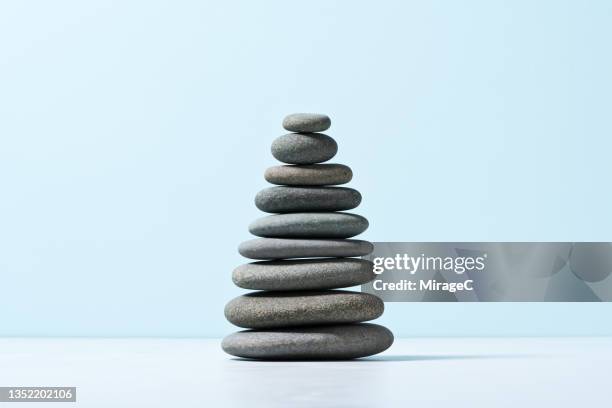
<point>134,135</point>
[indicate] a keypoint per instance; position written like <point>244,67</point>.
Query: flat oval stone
<point>310,343</point>
<point>283,248</point>
<point>309,174</point>
<point>309,225</point>
<point>304,148</point>
<point>263,310</point>
<point>284,199</point>
<point>306,122</point>
<point>305,274</point>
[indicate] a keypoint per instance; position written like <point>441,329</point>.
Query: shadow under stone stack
<point>305,253</point>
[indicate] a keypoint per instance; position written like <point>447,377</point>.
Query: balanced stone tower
<point>304,254</point>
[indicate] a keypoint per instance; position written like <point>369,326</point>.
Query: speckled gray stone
<point>304,148</point>
<point>310,343</point>
<point>309,225</point>
<point>306,122</point>
<point>285,199</point>
<point>283,248</point>
<point>304,274</point>
<point>263,310</point>
<point>309,174</point>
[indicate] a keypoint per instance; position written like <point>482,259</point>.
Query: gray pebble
<point>283,248</point>
<point>306,122</point>
<point>304,148</point>
<point>262,310</point>
<point>309,174</point>
<point>310,343</point>
<point>304,274</point>
<point>284,199</point>
<point>309,225</point>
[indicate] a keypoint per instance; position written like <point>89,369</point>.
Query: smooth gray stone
<point>285,199</point>
<point>304,148</point>
<point>266,310</point>
<point>309,174</point>
<point>305,274</point>
<point>306,122</point>
<point>309,225</point>
<point>283,248</point>
<point>310,343</point>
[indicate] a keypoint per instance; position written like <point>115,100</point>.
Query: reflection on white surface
<point>446,372</point>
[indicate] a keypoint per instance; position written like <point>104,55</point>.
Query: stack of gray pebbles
<point>305,254</point>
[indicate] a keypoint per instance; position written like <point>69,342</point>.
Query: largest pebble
<point>321,342</point>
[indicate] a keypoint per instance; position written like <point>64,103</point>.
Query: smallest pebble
<point>307,122</point>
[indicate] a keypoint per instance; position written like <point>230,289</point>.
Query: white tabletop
<point>449,372</point>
